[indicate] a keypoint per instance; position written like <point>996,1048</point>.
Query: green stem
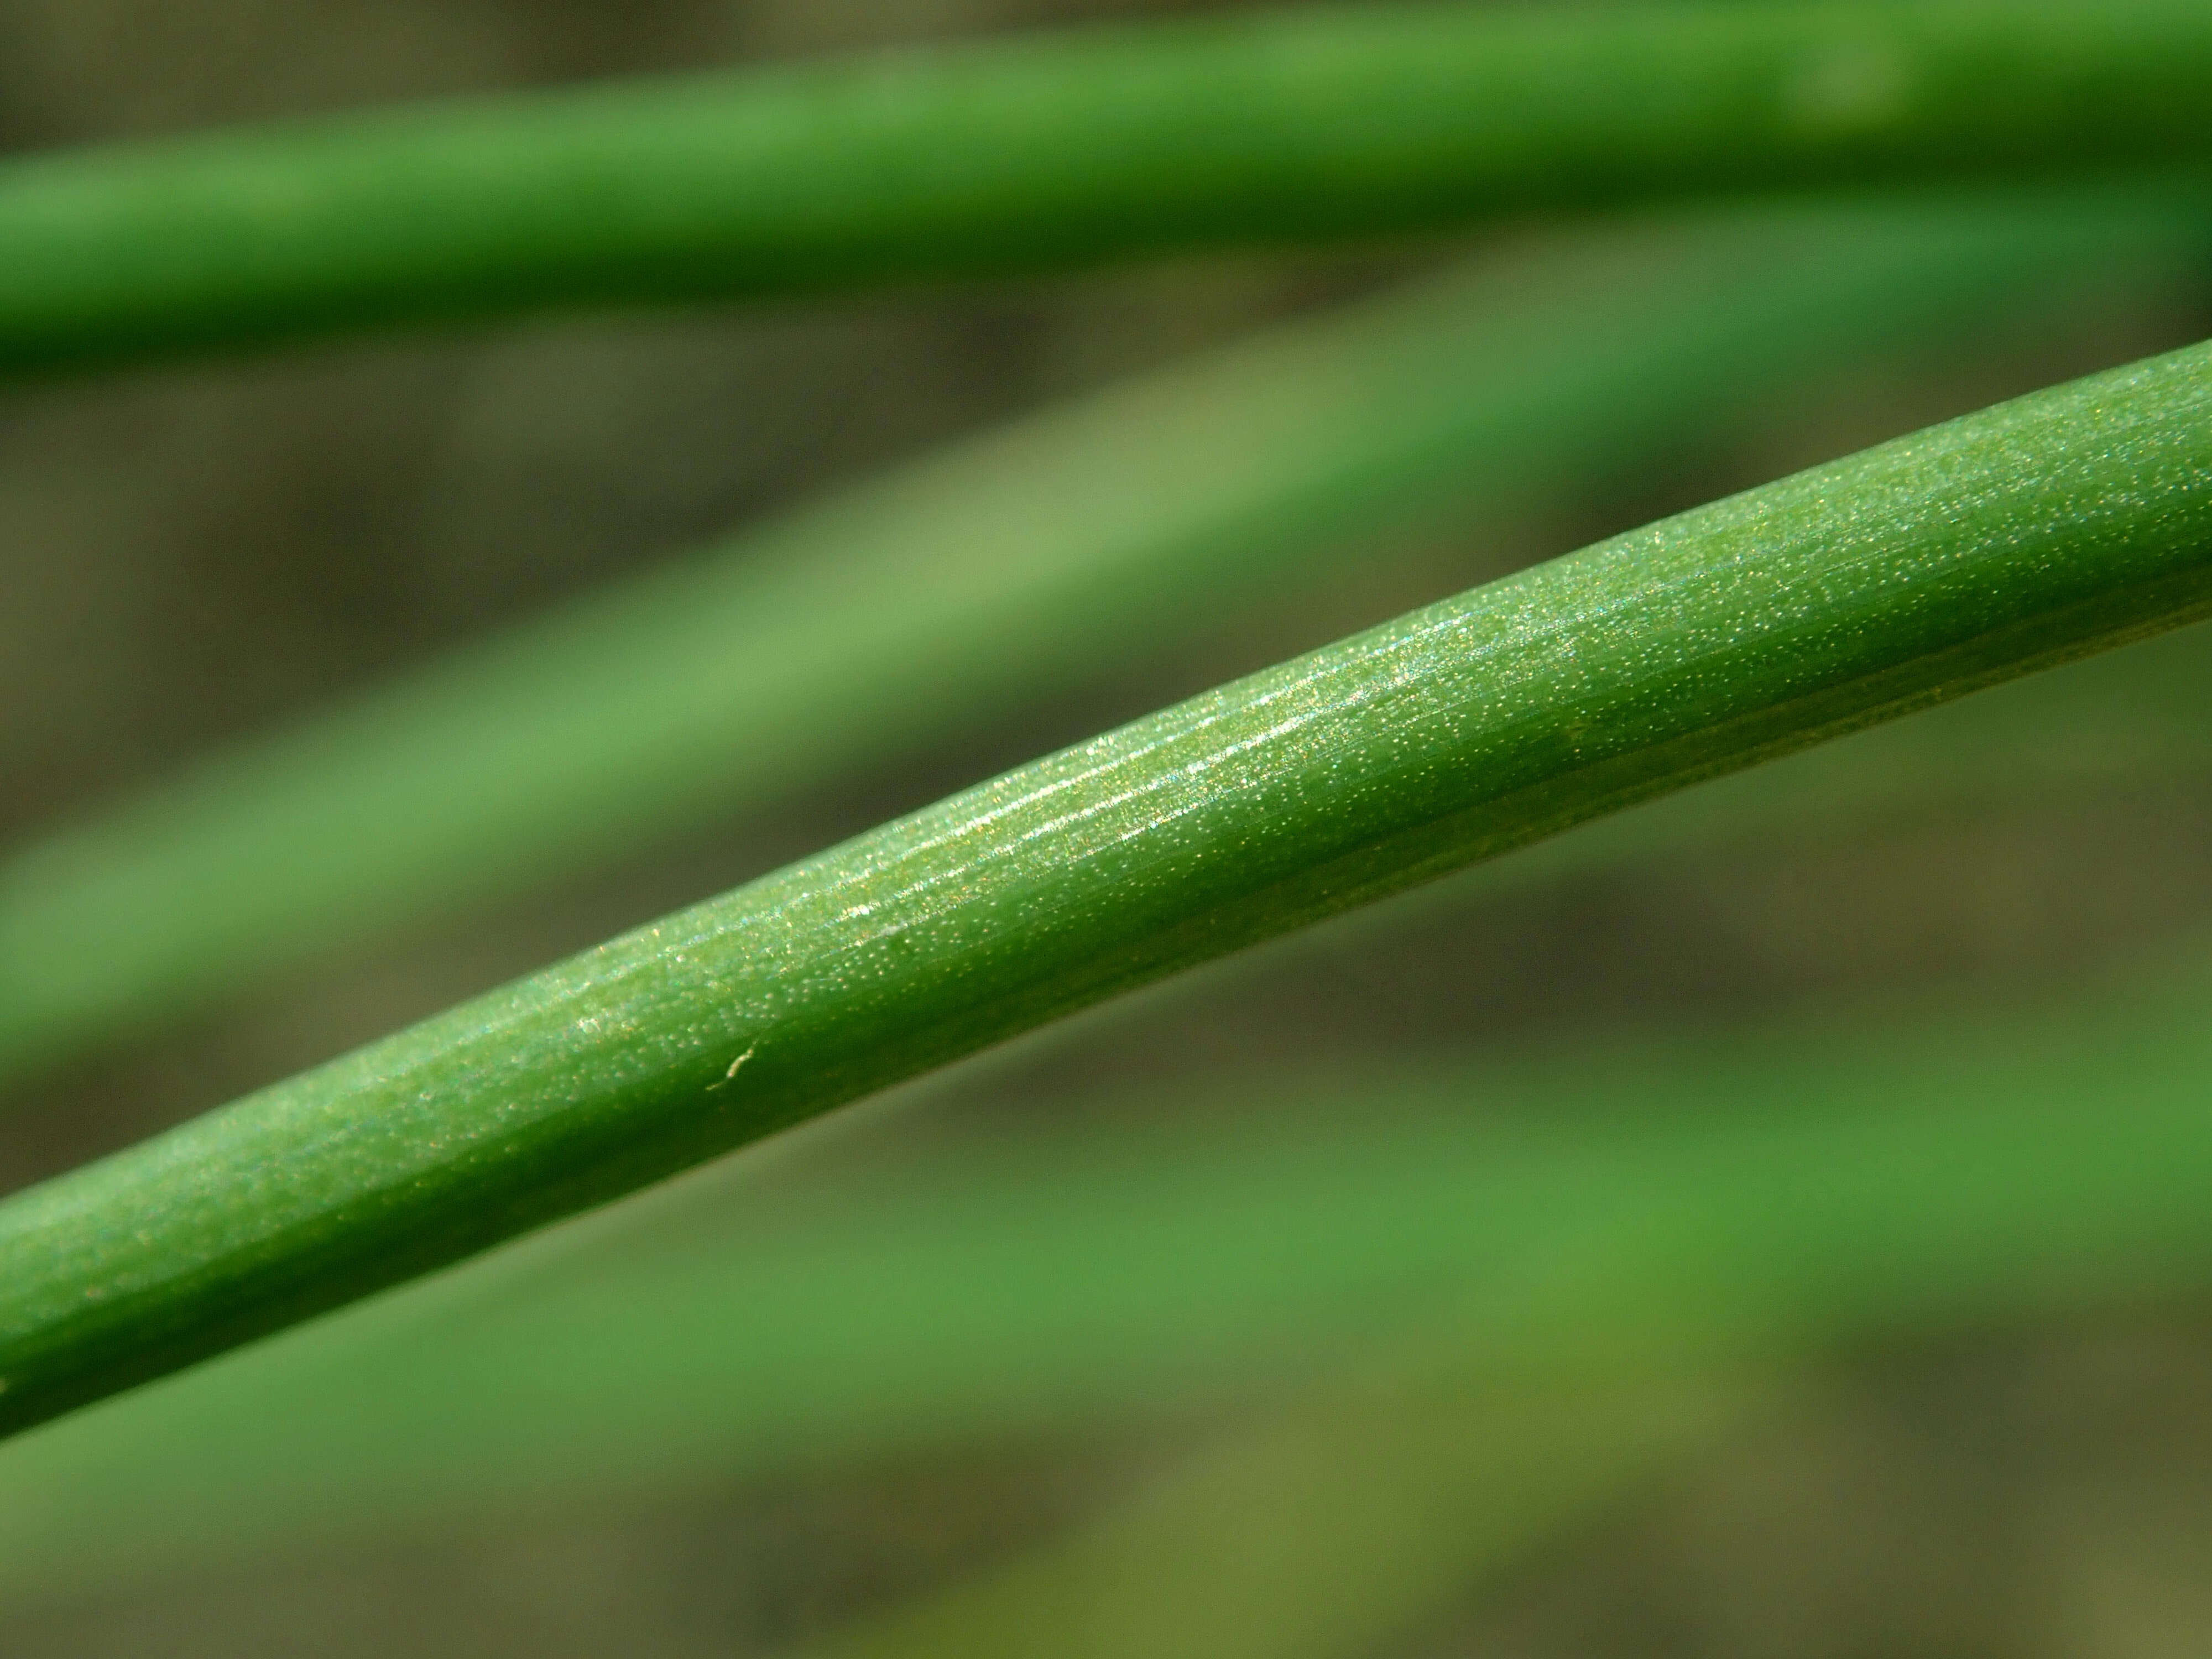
<point>2029,534</point>
<point>1776,1194</point>
<point>818,645</point>
<point>1050,152</point>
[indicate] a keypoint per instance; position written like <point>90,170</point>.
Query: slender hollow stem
<point>1764,1196</point>
<point>1057,151</point>
<point>812,646</point>
<point>2029,534</point>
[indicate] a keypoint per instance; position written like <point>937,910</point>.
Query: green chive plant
<point>1463,1305</point>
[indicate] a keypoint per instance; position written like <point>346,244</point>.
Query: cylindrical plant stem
<point>1060,150</point>
<point>2030,533</point>
<point>817,643</point>
<point>1555,1220</point>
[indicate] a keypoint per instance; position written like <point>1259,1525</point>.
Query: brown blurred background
<point>197,553</point>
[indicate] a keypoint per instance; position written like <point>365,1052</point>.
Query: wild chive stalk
<point>2029,534</point>
<point>812,646</point>
<point>1556,1223</point>
<point>1062,150</point>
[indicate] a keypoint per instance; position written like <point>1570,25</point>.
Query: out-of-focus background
<point>191,555</point>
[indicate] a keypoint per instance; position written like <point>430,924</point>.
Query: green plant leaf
<point>1917,571</point>
<point>1054,151</point>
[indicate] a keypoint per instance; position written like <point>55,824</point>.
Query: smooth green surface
<point>1053,151</point>
<point>2028,534</point>
<point>818,645</point>
<point>1555,1223</point>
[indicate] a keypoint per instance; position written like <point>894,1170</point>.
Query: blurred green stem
<point>818,645</point>
<point>1326,1531</point>
<point>1053,151</point>
<point>2029,534</point>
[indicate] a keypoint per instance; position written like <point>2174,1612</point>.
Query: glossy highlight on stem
<point>2027,535</point>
